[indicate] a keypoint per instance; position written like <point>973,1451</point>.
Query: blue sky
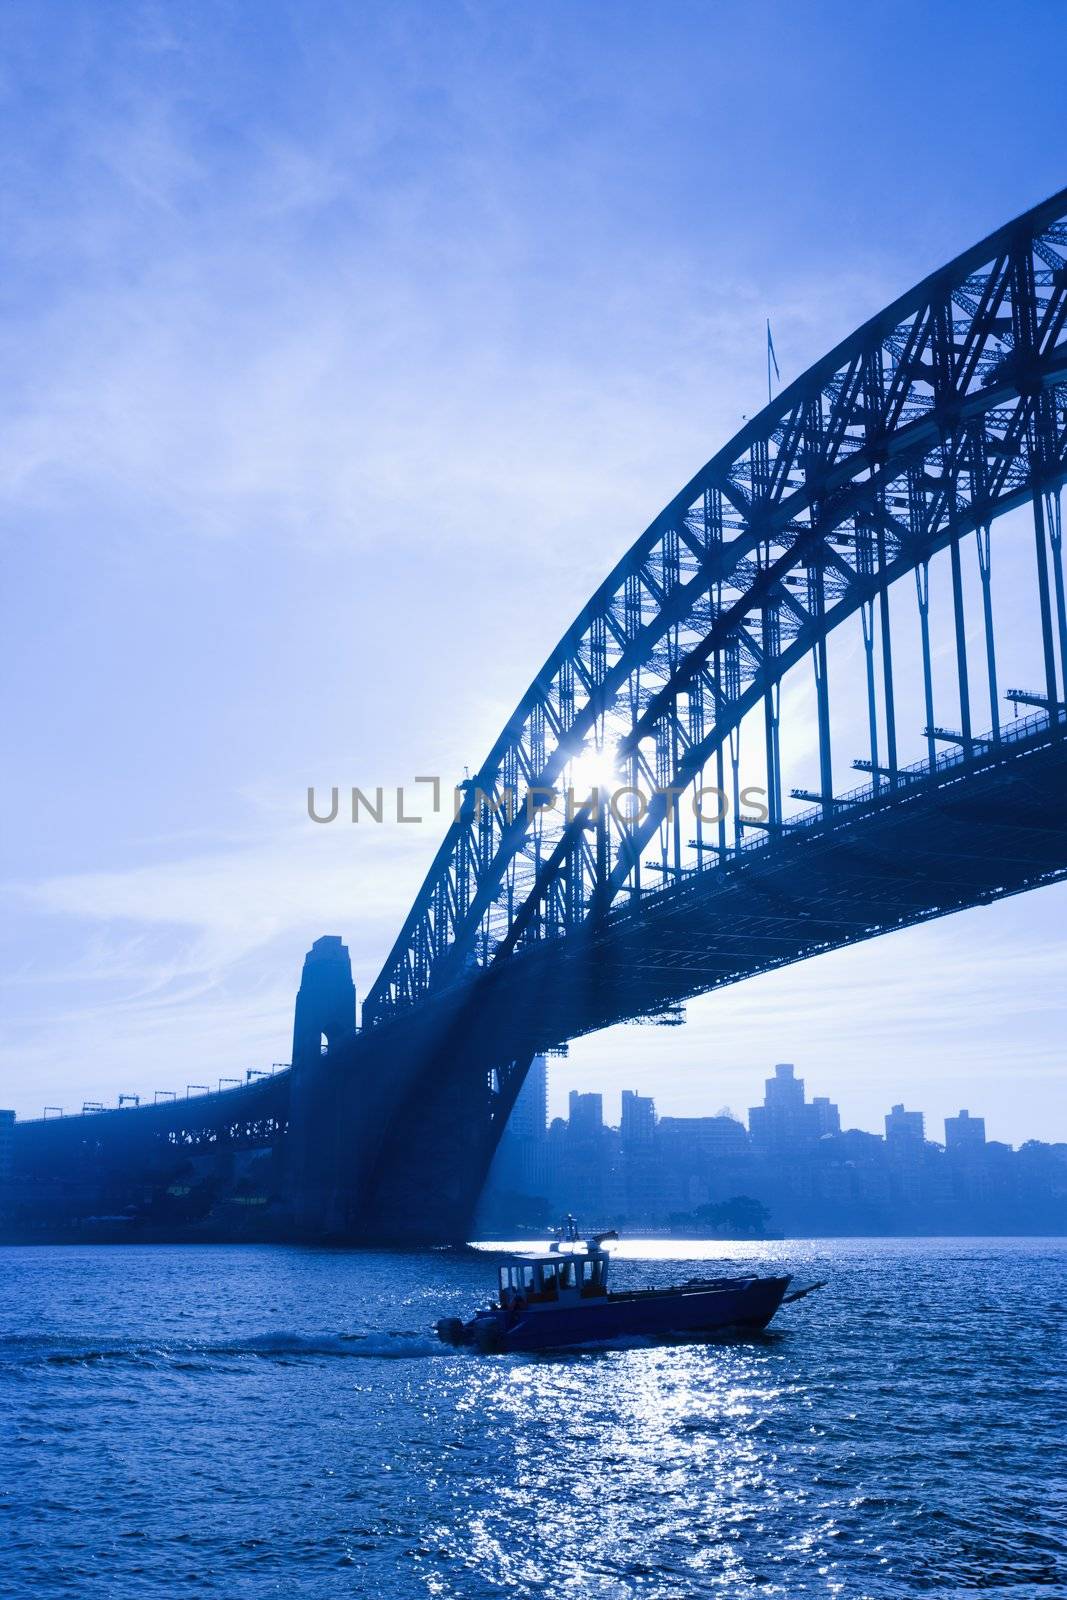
<point>345,349</point>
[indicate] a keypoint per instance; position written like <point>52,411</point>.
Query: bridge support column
<point>820,659</point>
<point>720,780</point>
<point>985,570</point>
<point>442,1131</point>
<point>1054,514</point>
<point>922,589</point>
<point>771,703</point>
<point>887,654</point>
<point>1040,545</point>
<point>867,620</point>
<point>822,690</point>
<point>961,643</point>
<point>774,763</point>
<point>735,765</point>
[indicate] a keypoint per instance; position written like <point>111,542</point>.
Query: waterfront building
<point>964,1133</point>
<point>785,1122</point>
<point>519,1179</point>
<point>904,1129</point>
<point>637,1123</point>
<point>703,1138</point>
<point>698,1159</point>
<point>825,1115</point>
<point>529,1114</point>
<point>585,1114</point>
<point>642,1165</point>
<point>586,1172</point>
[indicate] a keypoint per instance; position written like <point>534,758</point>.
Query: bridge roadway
<point>389,1134</point>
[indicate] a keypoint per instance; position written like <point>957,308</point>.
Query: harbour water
<point>266,1421</point>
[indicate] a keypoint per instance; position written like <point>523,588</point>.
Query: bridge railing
<point>983,746</point>
<point>230,1090</point>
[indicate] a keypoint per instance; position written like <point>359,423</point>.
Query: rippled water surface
<point>200,1420</point>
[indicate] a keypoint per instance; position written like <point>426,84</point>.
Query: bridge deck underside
<point>995,828</point>
<point>148,1138</point>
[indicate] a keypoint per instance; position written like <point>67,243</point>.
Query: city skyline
<point>559,1102</point>
<point>790,1165</point>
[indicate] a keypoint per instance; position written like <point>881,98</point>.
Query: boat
<point>559,1297</point>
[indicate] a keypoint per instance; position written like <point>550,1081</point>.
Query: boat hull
<point>746,1304</point>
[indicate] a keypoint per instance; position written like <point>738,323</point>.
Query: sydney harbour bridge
<point>860,504</point>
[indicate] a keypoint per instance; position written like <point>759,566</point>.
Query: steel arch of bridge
<point>943,412</point>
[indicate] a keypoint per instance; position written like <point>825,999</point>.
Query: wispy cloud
<point>190,964</point>
<point>229,903</point>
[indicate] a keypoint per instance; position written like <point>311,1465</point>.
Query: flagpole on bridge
<point>771,357</point>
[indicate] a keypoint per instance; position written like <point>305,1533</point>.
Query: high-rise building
<point>529,1114</point>
<point>964,1132</point>
<point>585,1114</point>
<point>521,1164</point>
<point>637,1126</point>
<point>904,1128</point>
<point>825,1115</point>
<point>784,1122</point>
<point>585,1162</point>
<point>640,1156</point>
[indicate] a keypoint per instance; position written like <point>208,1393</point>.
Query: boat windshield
<point>517,1278</point>
<point>594,1274</point>
<point>546,1280</point>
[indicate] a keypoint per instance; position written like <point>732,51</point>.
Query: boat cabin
<point>555,1278</point>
